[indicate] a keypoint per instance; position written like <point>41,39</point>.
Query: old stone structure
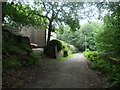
<point>36,35</point>
<point>39,37</point>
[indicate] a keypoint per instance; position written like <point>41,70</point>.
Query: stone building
<point>36,35</point>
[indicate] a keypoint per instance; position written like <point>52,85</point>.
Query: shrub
<point>26,47</point>
<point>10,63</point>
<point>49,49</point>
<point>16,51</point>
<point>33,59</point>
<point>73,49</point>
<point>91,55</point>
<point>68,48</point>
<point>110,69</point>
<point>65,53</point>
<point>65,49</point>
<point>102,64</point>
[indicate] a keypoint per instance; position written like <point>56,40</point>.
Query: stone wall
<point>36,35</point>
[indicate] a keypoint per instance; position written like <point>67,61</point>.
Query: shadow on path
<point>72,73</point>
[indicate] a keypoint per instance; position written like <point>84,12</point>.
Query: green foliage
<point>25,46</point>
<point>16,51</point>
<point>104,65</point>
<point>66,58</point>
<point>65,49</point>
<point>91,55</point>
<point>82,38</point>
<point>73,49</point>
<point>113,71</point>
<point>68,48</point>
<point>18,15</point>
<point>12,43</point>
<point>11,63</point>
<point>65,53</point>
<point>72,22</point>
<point>33,59</point>
<point>107,40</point>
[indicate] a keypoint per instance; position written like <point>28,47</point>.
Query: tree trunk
<point>49,31</point>
<point>3,14</point>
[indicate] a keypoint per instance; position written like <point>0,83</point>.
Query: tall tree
<point>51,13</point>
<point>59,13</point>
<point>109,37</point>
<point>48,14</point>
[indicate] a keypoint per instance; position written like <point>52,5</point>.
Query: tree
<point>67,13</point>
<point>108,37</point>
<point>83,38</point>
<point>59,13</point>
<point>55,14</point>
<point>18,15</point>
<point>50,14</point>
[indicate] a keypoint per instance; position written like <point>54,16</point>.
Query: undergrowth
<point>16,51</point>
<point>112,70</point>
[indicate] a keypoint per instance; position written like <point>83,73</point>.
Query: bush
<point>91,55</point>
<point>68,49</point>
<point>49,49</point>
<point>13,50</point>
<point>110,69</point>
<point>11,63</point>
<point>16,51</point>
<point>33,59</point>
<point>102,64</point>
<point>65,49</point>
<point>65,53</point>
<point>73,49</point>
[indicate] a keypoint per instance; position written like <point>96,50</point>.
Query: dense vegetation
<point>55,46</point>
<point>99,40</point>
<point>16,51</point>
<point>106,65</point>
<point>68,49</point>
<point>42,14</point>
<point>82,38</point>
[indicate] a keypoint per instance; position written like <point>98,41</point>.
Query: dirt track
<point>72,73</point>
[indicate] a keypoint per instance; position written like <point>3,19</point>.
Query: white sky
<point>82,21</point>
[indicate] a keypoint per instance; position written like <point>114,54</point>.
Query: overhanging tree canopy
<point>45,14</point>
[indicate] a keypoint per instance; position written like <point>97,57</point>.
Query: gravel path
<point>72,73</point>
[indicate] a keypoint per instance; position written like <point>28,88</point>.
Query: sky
<point>92,16</point>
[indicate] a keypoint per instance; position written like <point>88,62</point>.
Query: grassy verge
<point>112,70</point>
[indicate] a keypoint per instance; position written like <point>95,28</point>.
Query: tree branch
<point>59,10</point>
<point>39,15</point>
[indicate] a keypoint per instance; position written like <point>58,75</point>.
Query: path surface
<point>72,73</point>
